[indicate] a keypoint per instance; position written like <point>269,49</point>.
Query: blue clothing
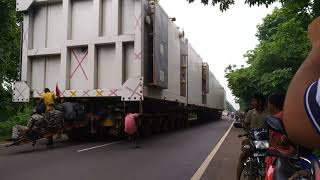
<point>312,104</point>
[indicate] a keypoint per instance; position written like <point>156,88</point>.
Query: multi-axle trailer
<point>112,54</point>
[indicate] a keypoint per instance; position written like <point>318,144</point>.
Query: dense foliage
<point>283,45</point>
<point>10,113</point>
<point>296,5</point>
<point>9,52</point>
<point>229,107</point>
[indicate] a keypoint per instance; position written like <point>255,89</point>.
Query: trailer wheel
<point>146,128</point>
<point>117,129</point>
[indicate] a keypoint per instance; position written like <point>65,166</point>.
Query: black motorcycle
<point>286,166</point>
<point>255,147</point>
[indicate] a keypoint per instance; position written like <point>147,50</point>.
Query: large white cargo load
<point>128,49</point>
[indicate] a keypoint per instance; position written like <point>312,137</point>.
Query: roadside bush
<point>20,118</point>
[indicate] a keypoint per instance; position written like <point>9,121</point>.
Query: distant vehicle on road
<point>225,113</point>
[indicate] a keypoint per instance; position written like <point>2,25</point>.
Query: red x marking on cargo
<point>137,22</point>
<point>137,56</point>
<point>86,93</point>
<point>62,93</point>
<point>20,93</point>
<point>79,64</point>
<point>113,92</point>
<point>134,92</point>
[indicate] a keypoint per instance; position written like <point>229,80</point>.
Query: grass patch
<point>4,138</point>
<point>20,118</point>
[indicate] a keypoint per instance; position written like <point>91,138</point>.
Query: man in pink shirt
<point>131,126</point>
<point>130,123</point>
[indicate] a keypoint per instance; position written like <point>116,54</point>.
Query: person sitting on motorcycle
<point>275,107</point>
<point>254,119</point>
<point>278,141</point>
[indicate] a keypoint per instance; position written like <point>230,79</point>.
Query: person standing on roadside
<point>131,125</point>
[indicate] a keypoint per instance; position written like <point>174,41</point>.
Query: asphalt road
<point>224,164</point>
<point>169,156</point>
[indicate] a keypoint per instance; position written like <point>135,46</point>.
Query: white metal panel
<point>128,19</point>
<point>108,68</point>
<point>53,76</point>
<point>39,27</point>
<point>160,47</point>
<point>23,5</point>
<point>222,99</point>
<point>38,73</point>
<point>82,20</point>
<point>79,66</point>
<point>108,20</point>
<point>26,44</point>
<point>54,34</point>
<point>132,89</point>
<point>61,25</point>
<point>21,92</point>
<point>173,91</point>
<point>194,77</point>
<point>216,96</point>
<point>210,95</point>
<point>132,64</point>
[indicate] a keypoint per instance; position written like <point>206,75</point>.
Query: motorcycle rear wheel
<point>246,174</point>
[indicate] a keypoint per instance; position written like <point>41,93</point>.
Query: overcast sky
<point>221,38</point>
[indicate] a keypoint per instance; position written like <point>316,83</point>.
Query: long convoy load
<point>111,54</point>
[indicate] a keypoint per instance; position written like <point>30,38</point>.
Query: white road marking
<point>199,173</point>
<point>95,147</point>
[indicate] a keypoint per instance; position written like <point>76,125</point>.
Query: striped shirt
<point>312,104</point>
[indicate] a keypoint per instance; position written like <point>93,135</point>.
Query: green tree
<point>10,113</point>
<point>295,5</point>
<point>9,53</point>
<point>283,45</point>
<point>229,107</point>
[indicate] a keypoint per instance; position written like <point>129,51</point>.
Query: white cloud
<point>221,38</point>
